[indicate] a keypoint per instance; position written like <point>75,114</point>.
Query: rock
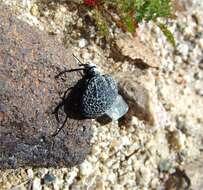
<point>177,180</point>
<point>159,145</point>
<point>165,165</point>
<point>29,62</point>
<point>36,185</point>
<point>138,89</point>
<point>35,10</point>
<point>82,43</point>
<point>100,184</point>
<point>194,171</point>
<point>201,64</point>
<point>86,168</point>
<point>49,178</point>
<point>199,87</point>
<point>184,49</point>
<point>145,176</point>
<point>176,139</point>
<point>136,50</point>
<point>57,183</point>
<point>30,173</point>
<point>20,187</point>
<point>71,176</point>
<point>199,92</point>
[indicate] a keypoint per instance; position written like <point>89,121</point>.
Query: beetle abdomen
<point>99,95</point>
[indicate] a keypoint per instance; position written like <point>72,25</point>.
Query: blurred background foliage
<point>127,14</point>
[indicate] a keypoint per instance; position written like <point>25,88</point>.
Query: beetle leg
<point>64,95</point>
<point>59,129</point>
<point>55,112</point>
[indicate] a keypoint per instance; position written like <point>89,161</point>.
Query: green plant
<point>131,13</point>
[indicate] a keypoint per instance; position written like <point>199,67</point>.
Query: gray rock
<point>29,62</point>
<point>164,165</point>
<point>49,178</point>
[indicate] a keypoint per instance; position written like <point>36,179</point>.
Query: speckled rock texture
<point>194,171</point>
<point>29,62</point>
<point>133,48</point>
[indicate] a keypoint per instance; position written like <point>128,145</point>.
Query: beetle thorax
<point>91,71</point>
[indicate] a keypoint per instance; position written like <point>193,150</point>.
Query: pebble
<point>95,150</point>
<point>30,173</point>
<point>199,92</point>
<point>125,141</point>
<point>165,165</point>
<point>177,140</point>
<point>19,187</point>
<point>115,145</point>
<point>119,187</point>
<point>103,156</point>
<point>160,144</point>
<point>184,49</point>
<point>100,185</point>
<point>36,185</point>
<point>49,178</point>
<point>201,64</point>
<point>86,168</point>
<point>71,176</point>
<point>35,10</point>
<point>145,176</point>
<point>82,43</point>
<point>154,183</point>
<point>111,177</point>
<point>57,184</point>
<point>177,59</point>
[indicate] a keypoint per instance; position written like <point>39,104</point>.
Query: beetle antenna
<point>81,64</point>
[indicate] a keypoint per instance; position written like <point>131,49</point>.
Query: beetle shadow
<point>70,106</point>
<point>71,102</point>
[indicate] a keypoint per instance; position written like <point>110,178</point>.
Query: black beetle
<point>97,92</point>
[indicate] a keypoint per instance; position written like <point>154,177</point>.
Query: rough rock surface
<point>136,50</point>
<point>138,89</point>
<point>29,62</point>
<point>194,171</point>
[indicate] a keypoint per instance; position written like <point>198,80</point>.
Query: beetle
<point>97,95</point>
